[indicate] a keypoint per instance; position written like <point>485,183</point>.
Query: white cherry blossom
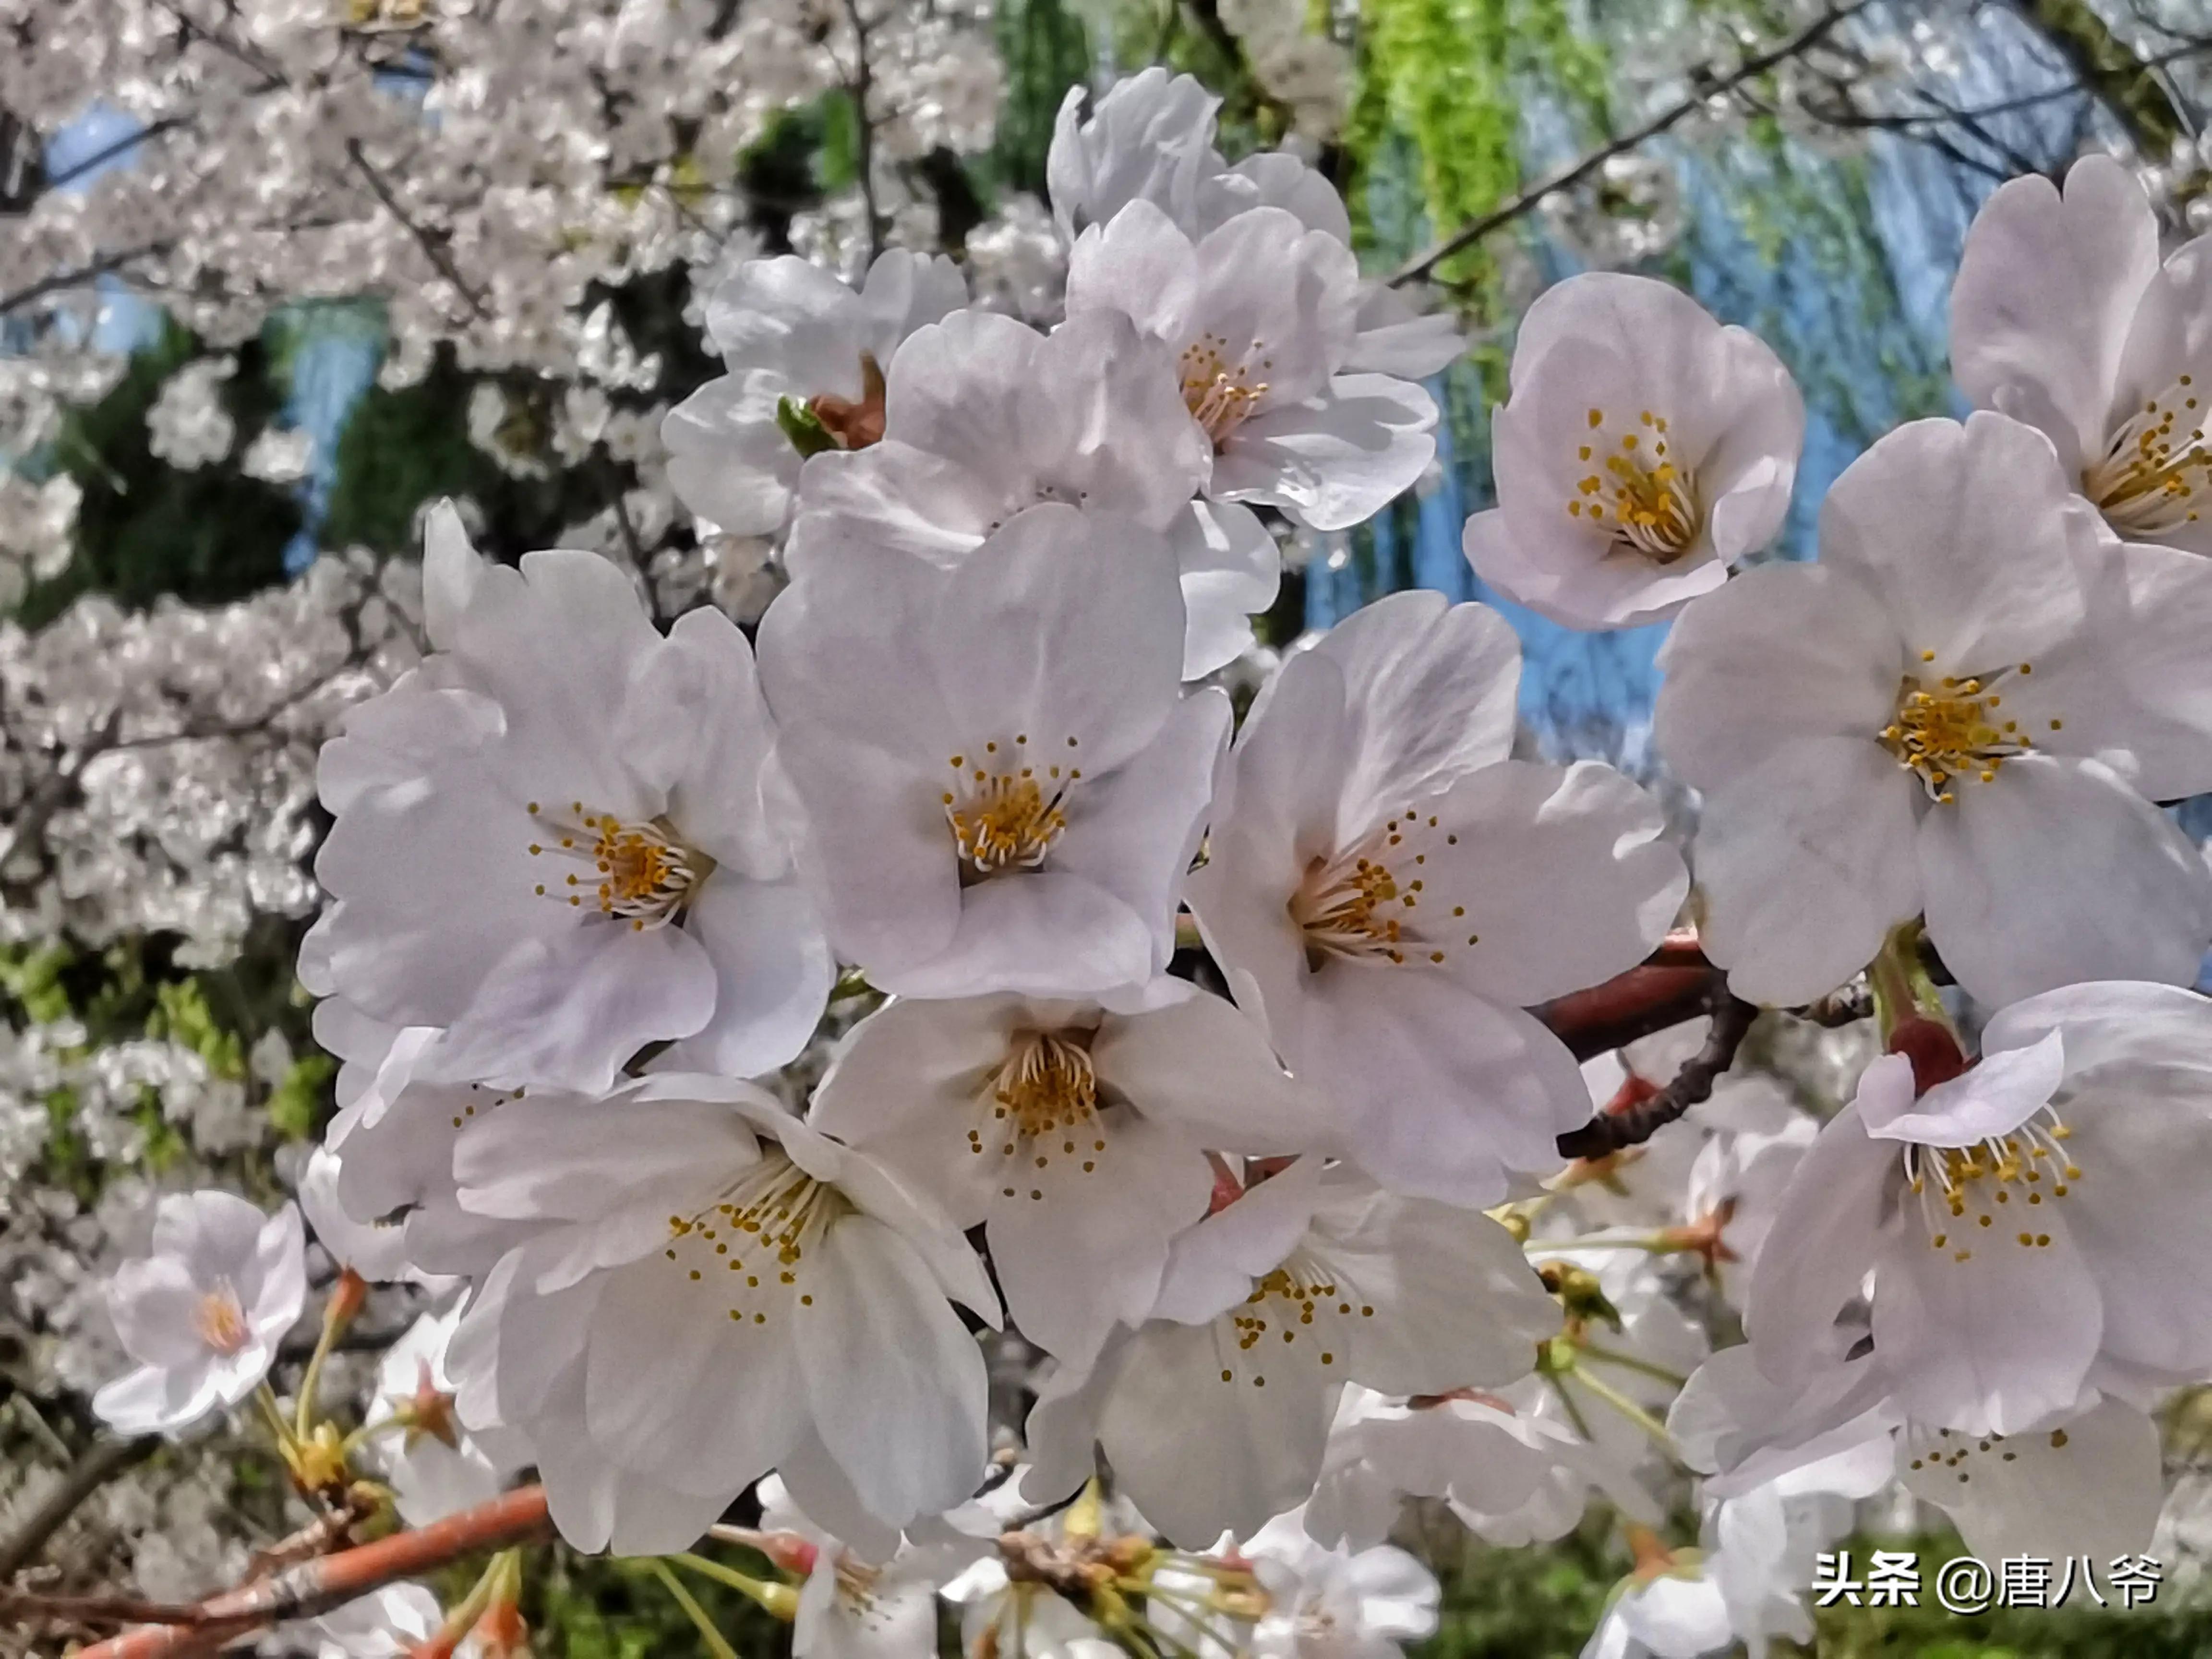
<point>2028,1227</point>
<point>1512,1475</point>
<point>1967,709</point>
<point>388,1623</point>
<point>1215,1414</point>
<point>2086,1480</point>
<point>1149,137</point>
<point>563,837</point>
<point>984,416</point>
<point>1003,783</point>
<point>2063,316</point>
<point>1152,138</point>
<point>1076,1136</point>
<point>1261,314</point>
<point>707,1289</point>
<point>806,356</point>
<point>1645,450</point>
<point>1338,1603</point>
<point>1387,892</point>
<point>435,1466</point>
<point>849,1608</point>
<point>203,1315</point>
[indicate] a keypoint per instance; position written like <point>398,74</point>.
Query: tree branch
<point>2122,83</point>
<point>100,1465</point>
<point>864,129</point>
<point>106,264</point>
<point>1648,997</point>
<point>1705,91</point>
<point>1610,1131</point>
<point>431,249</point>
<point>316,1587</point>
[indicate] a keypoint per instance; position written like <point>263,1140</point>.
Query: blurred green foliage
<point>209,534</point>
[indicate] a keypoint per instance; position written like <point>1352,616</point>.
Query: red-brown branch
<point>1669,985</point>
<point>316,1587</point>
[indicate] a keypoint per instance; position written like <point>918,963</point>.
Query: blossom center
<point>1003,814</point>
<point>1219,393</point>
<point>1359,905</point>
<point>645,873</point>
<point>1300,1301</point>
<point>1966,1190</point>
<point>1649,502</point>
<point>1044,1101</point>
<point>221,1321</point>
<point>2157,466</point>
<point>854,425</point>
<point>758,1233</point>
<point>1955,729</point>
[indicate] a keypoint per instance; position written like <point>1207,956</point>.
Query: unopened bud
<point>347,1297</point>
<point>789,1551</point>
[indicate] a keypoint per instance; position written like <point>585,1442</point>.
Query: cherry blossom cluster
<point>755,1043</point>
<point>479,166</point>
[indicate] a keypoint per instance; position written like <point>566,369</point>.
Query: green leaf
<point>801,425</point>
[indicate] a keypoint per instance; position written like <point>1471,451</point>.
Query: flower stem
<point>1627,1407</point>
<point>1629,1362</point>
<point>337,1314</point>
<point>715,1645</point>
<point>265,1398</point>
<point>779,1599</point>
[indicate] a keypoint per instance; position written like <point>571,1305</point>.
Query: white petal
<point>1430,693</point>
<point>1134,834</point>
<point>2047,287</point>
<point>1335,458</point>
<point>451,570</point>
<point>1815,1262</point>
<point>571,1010</point>
<point>1960,532</point>
<point>1560,872</point>
<point>1996,1097</point>
<point>1139,263</point>
<point>1442,1093</point>
<point>1231,569</point>
<point>896,1384</point>
<point>696,725</point>
<point>1199,1456</point>
<point>1212,1265</point>
<point>1039,933</point>
<point>2087,1484</point>
<point>1805,862</point>
<point>729,460</point>
<point>1783,654</point>
<point>1198,1063</point>
<point>2055,872</point>
<point>1065,624</point>
<point>1996,1341</point>
<point>773,971</point>
<point>1457,1303</point>
<point>1090,1252</point>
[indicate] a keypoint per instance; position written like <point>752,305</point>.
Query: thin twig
<point>1705,91</point>
<point>26,1605</point>
<point>315,1587</point>
<point>432,249</point>
<point>863,131</point>
<point>78,275</point>
<point>1609,1131</point>
<point>101,1464</point>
